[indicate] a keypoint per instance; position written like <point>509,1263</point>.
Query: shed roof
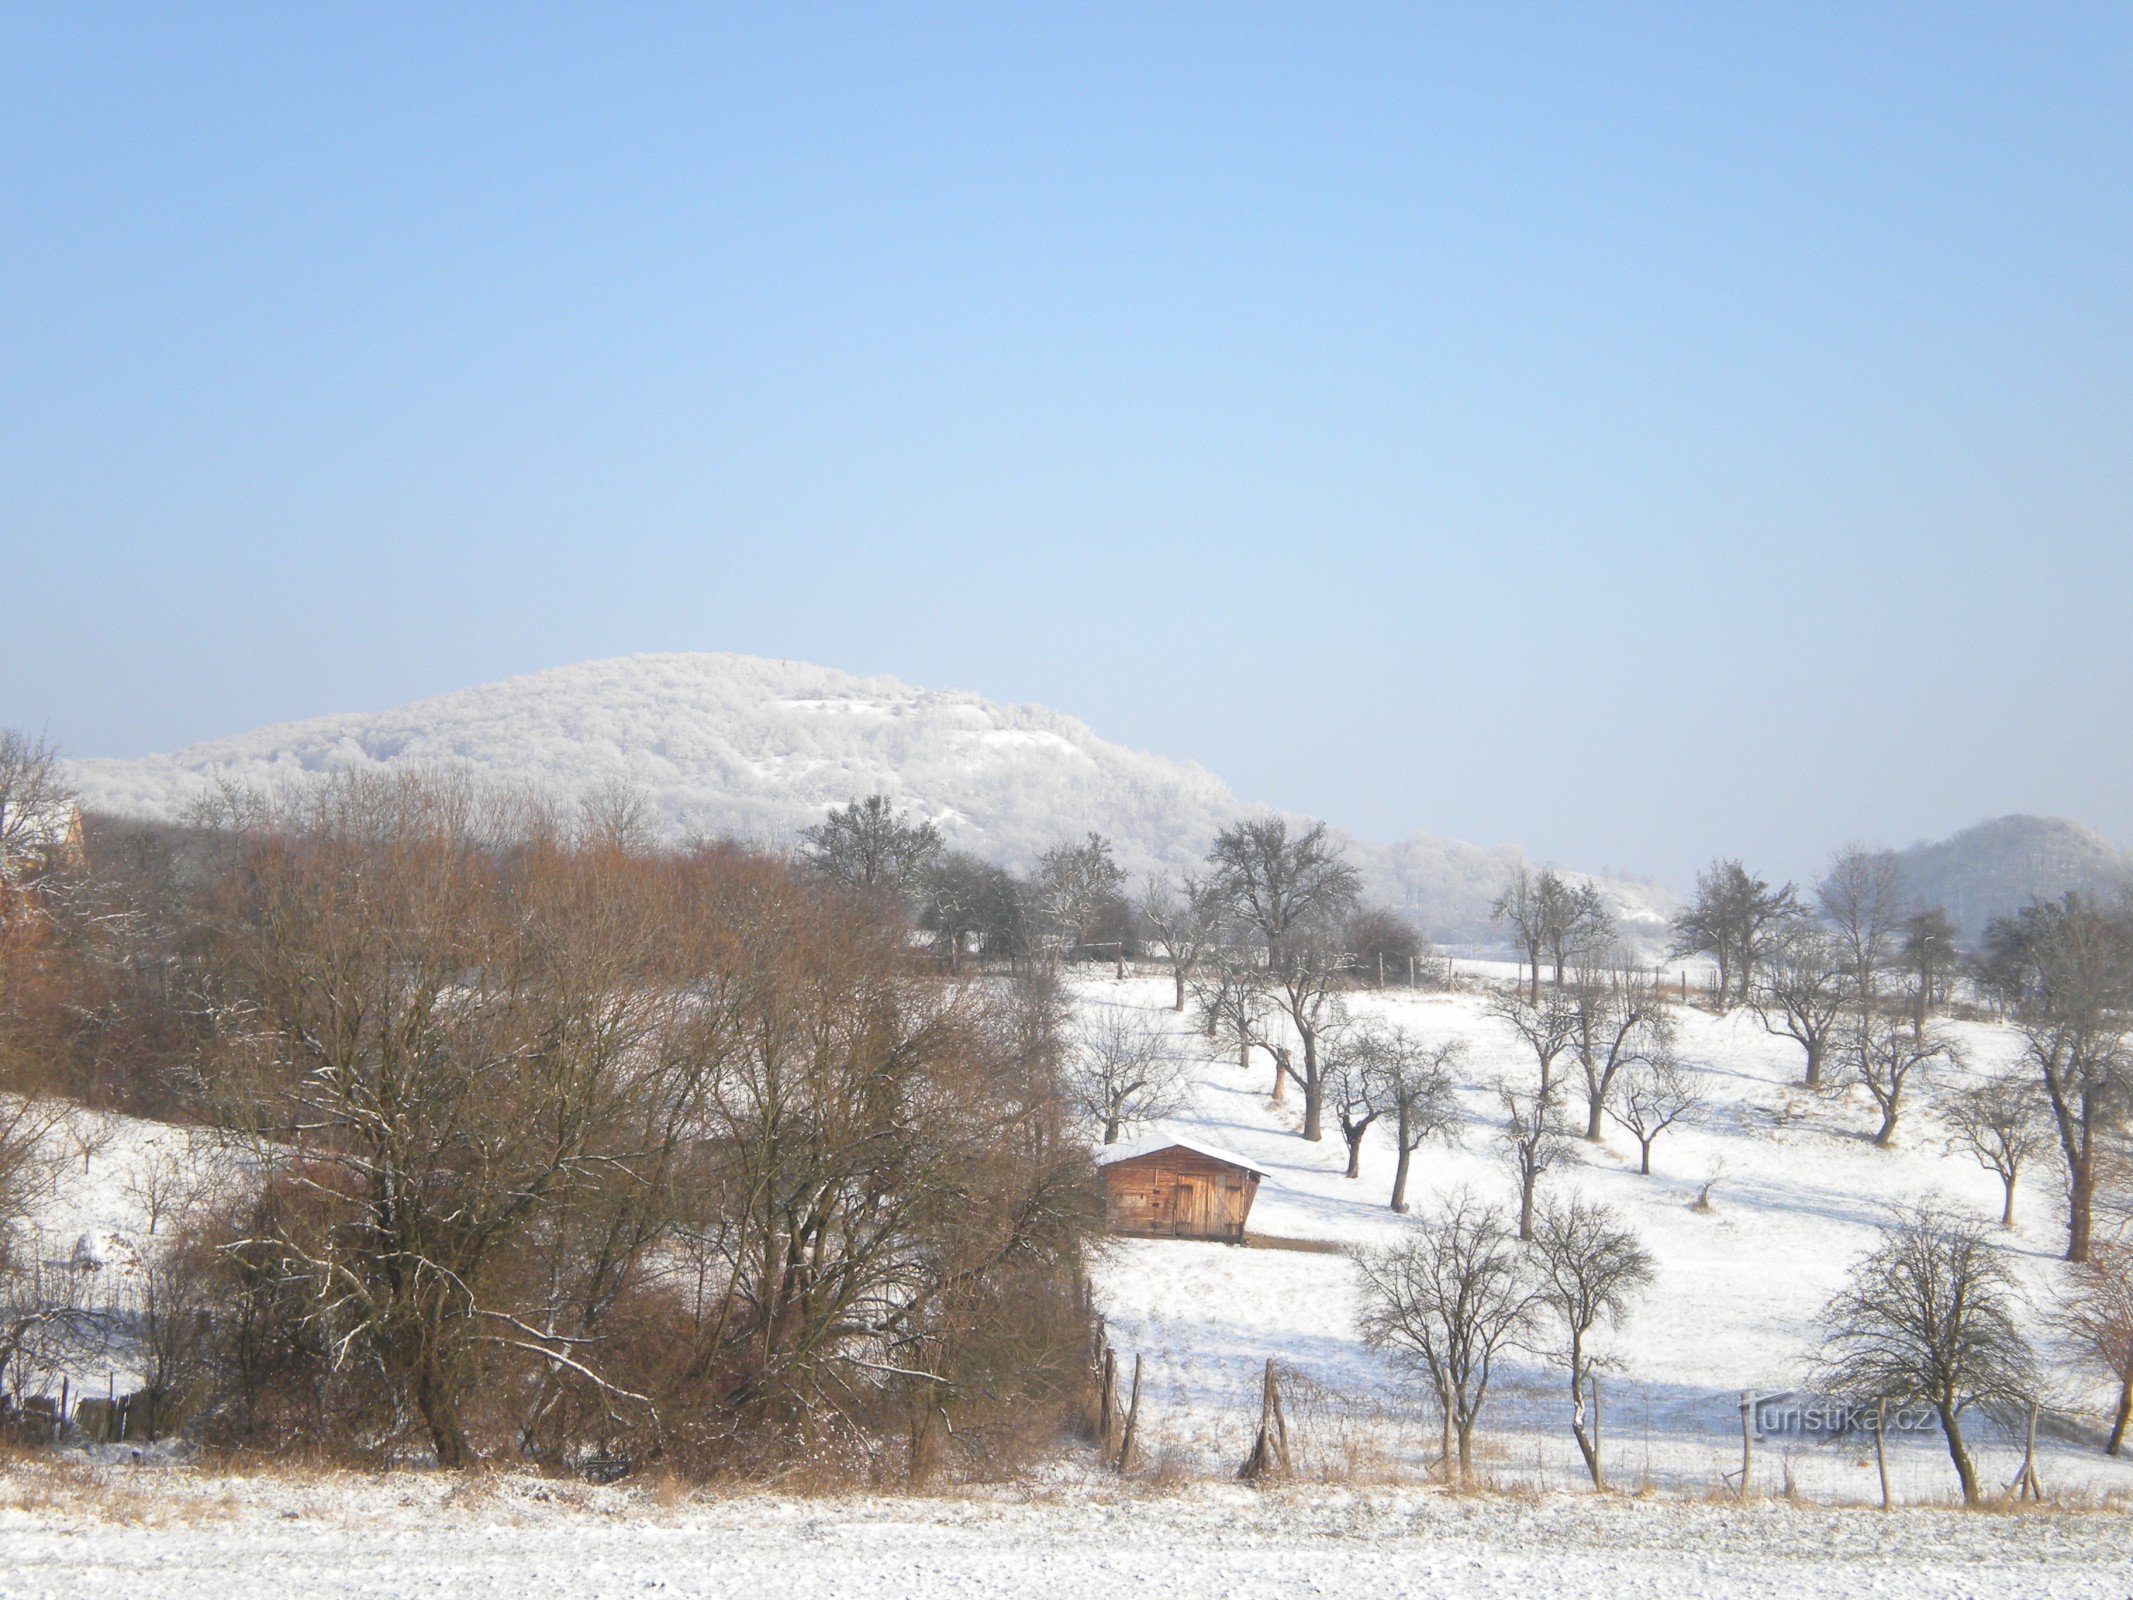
<point>1155,1144</point>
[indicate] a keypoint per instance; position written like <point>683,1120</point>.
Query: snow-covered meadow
<point>1798,1193</point>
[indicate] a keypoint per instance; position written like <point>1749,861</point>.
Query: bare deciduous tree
<point>1591,1269</point>
<point>1187,919</point>
<point>1930,957</point>
<point>1930,1317</point>
<point>1799,992</point>
<point>2096,1318</point>
<point>1536,1140</point>
<point>1882,1057</point>
<point>1071,888</point>
<point>1415,1085</point>
<point>2000,1121</point>
<point>1450,1299</point>
<point>1733,919</point>
<point>1622,1017</point>
<point>1121,1071</point>
<point>1863,901</point>
<point>1655,1095</point>
<point>2064,969</point>
<point>33,795</point>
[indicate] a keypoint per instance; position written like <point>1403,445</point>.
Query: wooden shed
<point>1177,1189</point>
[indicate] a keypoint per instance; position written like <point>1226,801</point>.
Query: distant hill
<point>728,744</point>
<point>1996,867</point>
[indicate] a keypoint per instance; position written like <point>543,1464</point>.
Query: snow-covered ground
<point>178,1536</point>
<point>1797,1194</point>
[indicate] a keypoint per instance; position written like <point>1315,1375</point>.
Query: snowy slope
<point>1996,867</point>
<point>1799,1194</point>
<point>728,744</point>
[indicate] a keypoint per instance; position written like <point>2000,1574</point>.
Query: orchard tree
<point>1930,1317</point>
<point>1800,991</point>
<point>2096,1318</point>
<point>1930,958</point>
<point>1592,1269</point>
<point>1187,919</point>
<point>1072,888</point>
<point>1622,1017</point>
<point>2000,1121</point>
<point>1863,901</point>
<point>2064,970</point>
<point>1415,1084</point>
<point>1121,1071</point>
<point>1655,1095</point>
<point>1734,919</point>
<point>1883,1057</point>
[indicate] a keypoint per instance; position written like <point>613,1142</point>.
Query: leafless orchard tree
<point>1187,919</point>
<point>1930,1316</point>
<point>1297,893</point>
<point>1072,886</point>
<point>1863,900</point>
<point>2096,1319</point>
<point>1549,915</point>
<point>1450,1299</point>
<point>1799,992</point>
<point>1882,1056</point>
<point>1233,996</point>
<point>1734,918</point>
<point>1352,1091</point>
<point>1591,1270</point>
<point>2064,970</point>
<point>1930,958</point>
<point>1415,1084</point>
<point>1536,1139</point>
<point>1122,1071</point>
<point>2001,1122</point>
<point>1655,1095</point>
<point>1622,1017</point>
<point>1523,909</point>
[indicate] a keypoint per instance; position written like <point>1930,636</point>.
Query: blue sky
<point>1634,432</point>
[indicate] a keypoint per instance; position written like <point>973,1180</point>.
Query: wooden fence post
<point>1107,1399</point>
<point>1881,1447</point>
<point>1747,1439</point>
<point>1270,1451</point>
<point>1133,1418</point>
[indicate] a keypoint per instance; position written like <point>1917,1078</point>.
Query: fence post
<point>1881,1447</point>
<point>1133,1418</point>
<point>1747,1439</point>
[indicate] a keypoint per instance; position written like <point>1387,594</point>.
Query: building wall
<point>1178,1194</point>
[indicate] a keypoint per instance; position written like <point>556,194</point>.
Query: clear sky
<point>1633,432</point>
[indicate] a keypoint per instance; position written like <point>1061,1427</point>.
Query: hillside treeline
<point>520,1137</point>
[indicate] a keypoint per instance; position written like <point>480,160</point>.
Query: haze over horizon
<point>1634,435</point>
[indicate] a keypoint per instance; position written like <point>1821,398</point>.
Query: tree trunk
<point>1645,1145</point>
<point>1595,1107</point>
<point>1111,1131</point>
<point>1888,1126</point>
<point>1314,1093</point>
<point>2118,1424</point>
<point>1525,1207</point>
<point>1281,1075</point>
<point>1966,1474</point>
<point>1464,1426</point>
<point>1177,975</point>
<point>1399,1176</point>
<point>2080,1205</point>
<point>433,1399</point>
<point>1813,1080</point>
<point>1355,1152</point>
<point>2007,1207</point>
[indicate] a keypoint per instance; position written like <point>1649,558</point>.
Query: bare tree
<point>1591,1270</point>
<point>1187,919</point>
<point>1381,941</point>
<point>870,846</point>
<point>2064,969</point>
<point>1415,1085</point>
<point>1622,1017</point>
<point>1536,1139</point>
<point>2000,1120</point>
<point>1070,889</point>
<point>1121,1071</point>
<point>1276,883</point>
<point>1930,1317</point>
<point>1352,1091</point>
<point>1733,919</point>
<point>1862,899</point>
<point>1882,1057</point>
<point>1233,995</point>
<point>1579,926</point>
<point>1655,1095</point>
<point>1930,957</point>
<point>2096,1318</point>
<point>1450,1299</point>
<point>33,797</point>
<point>1523,907</point>
<point>1799,992</point>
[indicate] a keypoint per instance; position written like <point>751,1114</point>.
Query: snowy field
<point>1798,1191</point>
<point>178,1536</point>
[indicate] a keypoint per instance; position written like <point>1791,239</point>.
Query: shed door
<point>1192,1205</point>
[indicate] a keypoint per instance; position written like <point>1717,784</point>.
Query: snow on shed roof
<point>1113,1153</point>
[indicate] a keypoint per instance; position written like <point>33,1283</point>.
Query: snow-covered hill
<point>1995,867</point>
<point>728,744</point>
